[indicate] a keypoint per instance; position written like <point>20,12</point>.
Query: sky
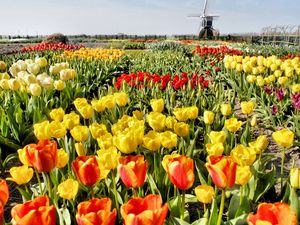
<point>141,17</point>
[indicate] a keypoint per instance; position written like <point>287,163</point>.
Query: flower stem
<point>183,205</point>
<point>282,166</point>
<point>39,181</point>
<point>241,194</point>
<point>221,207</point>
<point>115,189</point>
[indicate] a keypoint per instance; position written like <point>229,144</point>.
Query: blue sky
<point>141,16</point>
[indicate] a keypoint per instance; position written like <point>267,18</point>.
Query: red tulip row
<point>47,46</point>
<point>216,51</point>
<point>142,79</point>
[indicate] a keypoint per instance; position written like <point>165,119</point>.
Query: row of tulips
<point>49,47</point>
<point>218,51</point>
<point>144,79</point>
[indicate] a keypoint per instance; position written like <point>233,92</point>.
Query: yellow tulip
<point>138,114</point>
<point>295,88</point>
<point>260,81</point>
<point>156,121</point>
<point>68,189</point>
<point>121,98</point>
<point>41,130</point>
<point>260,144</point>
<point>33,68</point>
<point>278,73</point>
<point>108,158</point>
<point>125,142</point>
<point>208,117</point>
<point>57,114</point>
<point>98,105</point>
<point>170,122</point>
<point>97,130</point>
<point>247,107</point>
<point>108,101</point>
<point>80,149</point>
<point>80,133</point>
<point>14,84</point>
<point>151,140</point>
<point>192,112</point>
<point>168,139</point>
<point>42,62</point>
<point>181,129</point>
<point>80,102</point>
<point>243,156</point>
<point>20,175</point>
<point>243,175</point>
<point>35,89</point>
<point>215,149</point>
<point>251,78</point>
<point>282,80</point>
<point>23,157</point>
<point>157,105</point>
<point>105,141</point>
<point>204,193</point>
<point>284,137</point>
<point>253,121</point>
<point>181,114</point>
<point>62,158</point>
<point>295,178</point>
<point>86,111</point>
<point>217,137</point>
<point>233,125</point>
<point>71,120</point>
<point>2,66</point>
<point>226,109</point>
<point>59,85</point>
<point>56,129</point>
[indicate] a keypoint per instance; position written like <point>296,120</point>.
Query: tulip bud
<point>253,121</point>
<point>295,178</point>
<point>243,175</point>
<point>209,117</point>
<point>68,189</point>
<point>226,109</point>
<point>2,66</point>
<point>35,89</point>
<point>204,193</point>
<point>59,85</point>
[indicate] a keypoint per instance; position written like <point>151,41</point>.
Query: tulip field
<point>179,133</point>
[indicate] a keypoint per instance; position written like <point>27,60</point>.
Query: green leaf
<point>26,195</point>
<point>294,200</point>
<point>66,216</point>
<point>241,220</point>
<point>213,219</point>
<point>153,187</point>
<point>202,221</point>
<point>175,206</point>
<point>201,171</point>
<point>177,221</point>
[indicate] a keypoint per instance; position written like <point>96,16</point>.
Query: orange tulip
<point>273,213</point>
<point>133,170</point>
<point>43,155</point>
<point>222,170</point>
<point>4,192</point>
<point>180,169</point>
<point>144,211</point>
<point>1,214</point>
<point>35,212</point>
<point>86,169</point>
<point>96,212</point>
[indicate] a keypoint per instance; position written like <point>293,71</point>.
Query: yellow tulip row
<point>25,76</point>
<point>94,53</point>
<point>265,70</point>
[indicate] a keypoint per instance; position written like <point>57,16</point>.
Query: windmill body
<point>206,29</point>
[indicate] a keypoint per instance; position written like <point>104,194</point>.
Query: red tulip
<point>222,170</point>
<point>144,211</point>
<point>132,170</point>
<point>43,155</point>
<point>96,212</point>
<point>180,169</point>
<point>34,212</point>
<point>278,214</point>
<point>4,192</point>
<point>86,169</point>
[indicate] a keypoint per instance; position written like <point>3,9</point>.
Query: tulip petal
<point>217,175</point>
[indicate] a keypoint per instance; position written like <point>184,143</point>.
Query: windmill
<point>206,29</point>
